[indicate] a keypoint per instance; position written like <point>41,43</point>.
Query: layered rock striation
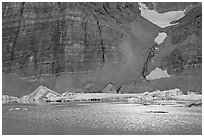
<point>64,46</point>
<point>75,42</point>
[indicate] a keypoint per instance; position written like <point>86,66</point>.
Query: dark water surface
<point>100,119</point>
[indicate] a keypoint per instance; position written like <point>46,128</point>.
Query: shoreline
<point>170,103</point>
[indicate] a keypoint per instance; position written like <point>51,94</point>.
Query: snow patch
<point>160,19</point>
<point>160,38</point>
<point>157,73</point>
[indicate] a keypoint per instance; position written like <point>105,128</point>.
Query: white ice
<point>160,19</point>
<point>17,108</point>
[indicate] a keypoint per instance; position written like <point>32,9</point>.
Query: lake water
<point>100,119</point>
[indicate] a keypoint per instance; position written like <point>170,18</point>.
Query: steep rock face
<point>69,44</point>
<point>181,52</point>
<point>65,46</point>
<point>50,38</point>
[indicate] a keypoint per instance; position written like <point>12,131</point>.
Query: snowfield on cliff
<point>160,38</point>
<point>157,73</point>
<point>160,19</point>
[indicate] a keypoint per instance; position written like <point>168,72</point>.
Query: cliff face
<point>69,45</point>
<point>181,52</point>
<point>75,42</point>
<point>50,38</point>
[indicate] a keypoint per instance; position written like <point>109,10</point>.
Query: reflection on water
<point>100,118</point>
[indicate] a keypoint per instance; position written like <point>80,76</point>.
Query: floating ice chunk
<point>11,109</point>
<point>160,19</point>
<point>160,38</point>
<point>24,109</point>
<point>17,108</point>
<point>157,73</point>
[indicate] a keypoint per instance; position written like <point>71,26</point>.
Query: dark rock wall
<point>69,44</point>
<point>64,46</point>
<point>50,38</point>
